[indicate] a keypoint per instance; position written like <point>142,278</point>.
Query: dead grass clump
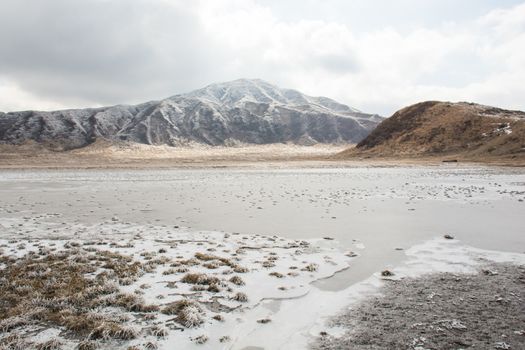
<point>201,339</point>
<point>188,312</point>
<point>224,339</point>
<point>211,265</point>
<point>170,271</point>
<point>276,274</point>
<point>100,289</point>
<point>80,323</point>
<point>122,266</point>
<point>51,344</point>
<point>125,270</point>
<point>268,264</point>
<point>198,288</point>
<point>148,255</point>
<point>14,342</point>
<point>134,303</point>
<point>112,330</point>
<point>151,346</point>
<point>213,288</point>
<point>149,317</point>
<point>205,257</point>
<point>187,262</point>
<point>310,267</point>
<point>240,269</point>
<point>210,257</point>
<point>163,260</point>
<point>87,345</point>
<point>199,278</point>
<point>240,297</point>
<point>264,320</point>
<point>237,280</point>
<point>58,289</point>
<point>218,317</point>
<point>158,331</point>
<point>12,322</point>
<point>71,244</point>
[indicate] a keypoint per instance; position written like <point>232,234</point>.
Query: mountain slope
<point>440,128</point>
<point>241,111</point>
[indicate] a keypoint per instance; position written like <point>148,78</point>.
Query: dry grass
<point>217,260</point>
<point>63,289</point>
<point>199,278</point>
<point>224,339</point>
<point>237,280</point>
<point>276,274</point>
<point>188,312</point>
<point>14,342</point>
<point>88,345</point>
<point>240,269</point>
<point>240,296</point>
<point>135,155</point>
<point>310,267</point>
<point>158,331</point>
<point>52,344</point>
<point>201,339</point>
<point>454,130</point>
<point>113,330</point>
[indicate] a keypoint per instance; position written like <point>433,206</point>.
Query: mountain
<point>466,130</point>
<point>241,111</point>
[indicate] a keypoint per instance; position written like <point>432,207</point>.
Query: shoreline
<point>137,156</point>
<point>81,164</point>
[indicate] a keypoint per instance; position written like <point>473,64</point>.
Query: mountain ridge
<point>249,111</point>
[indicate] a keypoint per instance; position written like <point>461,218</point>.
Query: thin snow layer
<point>282,310</point>
<point>269,269</point>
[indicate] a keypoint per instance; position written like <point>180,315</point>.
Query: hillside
<point>238,112</point>
<point>463,130</point>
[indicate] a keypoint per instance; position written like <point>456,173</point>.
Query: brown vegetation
<point>451,130</point>
<point>63,289</point>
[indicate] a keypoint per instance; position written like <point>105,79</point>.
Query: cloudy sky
<point>375,55</point>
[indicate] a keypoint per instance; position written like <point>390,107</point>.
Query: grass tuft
<point>188,312</point>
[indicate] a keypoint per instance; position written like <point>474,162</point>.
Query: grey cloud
<point>340,64</point>
<point>103,51</point>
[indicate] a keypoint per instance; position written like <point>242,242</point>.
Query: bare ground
<point>132,155</point>
<point>104,155</point>
<point>439,311</point>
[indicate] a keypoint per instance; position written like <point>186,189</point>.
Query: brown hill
<point>462,130</point>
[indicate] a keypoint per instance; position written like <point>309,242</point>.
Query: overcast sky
<point>375,55</point>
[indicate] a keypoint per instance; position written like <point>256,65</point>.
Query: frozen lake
<point>368,210</point>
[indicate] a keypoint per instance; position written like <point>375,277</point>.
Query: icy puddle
<point>154,290</point>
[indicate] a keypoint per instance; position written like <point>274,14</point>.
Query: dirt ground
<point>104,155</point>
<point>439,311</point>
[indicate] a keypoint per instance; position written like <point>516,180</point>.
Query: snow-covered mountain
<point>241,111</point>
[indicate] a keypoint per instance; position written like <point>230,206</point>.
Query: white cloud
<point>14,98</point>
<point>176,46</point>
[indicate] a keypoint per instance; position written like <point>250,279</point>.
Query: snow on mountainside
<point>241,111</point>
